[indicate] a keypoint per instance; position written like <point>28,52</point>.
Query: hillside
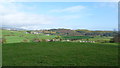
<point>80,32</point>
<point>16,36</point>
<point>21,36</point>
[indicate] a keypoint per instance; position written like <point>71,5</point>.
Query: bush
<point>4,40</point>
<point>25,40</point>
<point>36,40</point>
<point>43,40</point>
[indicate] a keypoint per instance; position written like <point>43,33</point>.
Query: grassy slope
<point>19,36</point>
<point>14,39</point>
<point>101,38</point>
<point>60,54</point>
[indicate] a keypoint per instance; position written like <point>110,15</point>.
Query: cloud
<point>26,19</point>
<point>7,8</point>
<point>34,27</point>
<point>70,9</point>
<point>11,15</point>
<point>69,17</point>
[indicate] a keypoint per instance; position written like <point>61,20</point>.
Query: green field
<point>88,38</point>
<point>76,37</point>
<point>60,54</point>
<point>20,36</point>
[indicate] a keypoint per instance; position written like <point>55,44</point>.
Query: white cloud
<point>31,27</point>
<point>7,8</point>
<point>69,17</point>
<point>26,19</point>
<point>11,15</point>
<point>69,9</point>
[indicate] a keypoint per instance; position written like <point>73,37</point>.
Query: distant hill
<point>80,32</point>
<point>67,32</point>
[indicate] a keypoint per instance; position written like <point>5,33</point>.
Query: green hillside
<point>20,36</point>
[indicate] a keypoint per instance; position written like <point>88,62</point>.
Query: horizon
<point>8,28</point>
<point>53,15</point>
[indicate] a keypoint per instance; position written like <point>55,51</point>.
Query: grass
<point>14,39</point>
<point>87,38</point>
<point>20,36</point>
<point>76,37</point>
<point>100,38</point>
<point>16,53</point>
<point>60,54</point>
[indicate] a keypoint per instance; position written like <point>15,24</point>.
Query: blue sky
<point>71,15</point>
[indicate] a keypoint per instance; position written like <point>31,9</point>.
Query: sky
<point>52,15</point>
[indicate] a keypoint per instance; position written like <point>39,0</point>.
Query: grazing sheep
<point>67,40</point>
<point>47,40</point>
<point>83,41</point>
<point>80,41</point>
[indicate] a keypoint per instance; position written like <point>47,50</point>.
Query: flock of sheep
<point>68,40</point>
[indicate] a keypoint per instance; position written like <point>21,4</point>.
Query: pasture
<point>20,36</point>
<point>97,39</point>
<point>60,54</point>
<point>76,37</point>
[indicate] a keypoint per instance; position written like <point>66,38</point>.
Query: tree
<point>28,31</point>
<point>58,37</point>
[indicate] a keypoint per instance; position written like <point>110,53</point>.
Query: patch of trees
<point>65,32</point>
<point>95,33</point>
<point>28,31</point>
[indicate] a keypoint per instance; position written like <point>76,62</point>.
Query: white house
<point>47,34</point>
